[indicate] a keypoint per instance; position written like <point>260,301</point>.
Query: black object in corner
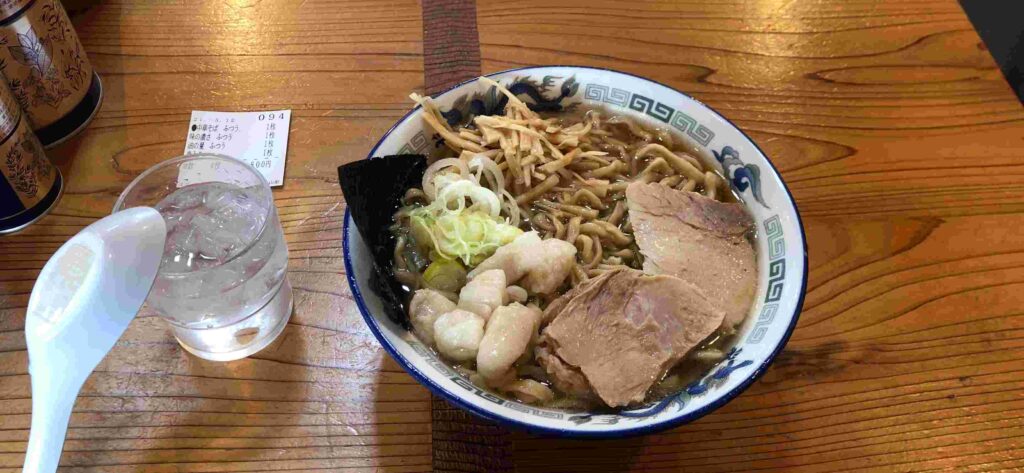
<point>1000,25</point>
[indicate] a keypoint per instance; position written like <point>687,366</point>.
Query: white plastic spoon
<point>82,302</point>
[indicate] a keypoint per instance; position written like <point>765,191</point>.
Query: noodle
<point>543,222</point>
<point>616,167</point>
<point>592,200</point>
<point>624,253</point>
<point>598,253</point>
<point>585,244</point>
<point>559,228</point>
<point>616,216</point>
<point>671,181</point>
<point>415,195</point>
<point>689,158</point>
<point>573,230</point>
<point>400,262</point>
<point>600,228</point>
<point>682,165</point>
<point>711,184</point>
<point>538,191</point>
<point>560,162</point>
<point>469,134</point>
<point>658,166</point>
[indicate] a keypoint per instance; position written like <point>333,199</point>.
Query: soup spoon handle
<point>53,395</point>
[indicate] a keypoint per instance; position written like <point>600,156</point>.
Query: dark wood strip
<point>464,443</point>
<point>451,46</point>
<point>451,54</point>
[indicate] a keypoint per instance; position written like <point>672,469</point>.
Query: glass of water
<point>222,284</point>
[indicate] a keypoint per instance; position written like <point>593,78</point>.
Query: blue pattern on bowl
<point>741,175</point>
<point>492,102</point>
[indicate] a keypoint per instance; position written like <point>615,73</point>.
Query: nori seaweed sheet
<point>373,190</point>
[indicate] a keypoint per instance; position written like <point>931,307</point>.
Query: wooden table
<point>899,138</point>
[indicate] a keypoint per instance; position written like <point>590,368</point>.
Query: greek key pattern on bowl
<point>649,106</point>
<point>417,145</point>
<point>662,112</point>
<point>609,95</point>
<point>776,276</point>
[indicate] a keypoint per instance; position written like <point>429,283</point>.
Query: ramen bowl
<point>780,248</point>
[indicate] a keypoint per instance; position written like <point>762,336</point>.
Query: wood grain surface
<point>451,45</point>
<point>891,124</point>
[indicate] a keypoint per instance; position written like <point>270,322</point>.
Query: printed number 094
<point>271,116</point>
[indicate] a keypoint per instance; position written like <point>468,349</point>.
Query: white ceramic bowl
<point>781,250</point>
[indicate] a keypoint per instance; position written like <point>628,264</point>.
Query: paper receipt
<point>258,138</point>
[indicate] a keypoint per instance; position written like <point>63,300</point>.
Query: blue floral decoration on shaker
<point>742,176</point>
<point>490,102</point>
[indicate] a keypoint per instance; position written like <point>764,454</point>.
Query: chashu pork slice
<point>699,240</point>
<point>619,333</point>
